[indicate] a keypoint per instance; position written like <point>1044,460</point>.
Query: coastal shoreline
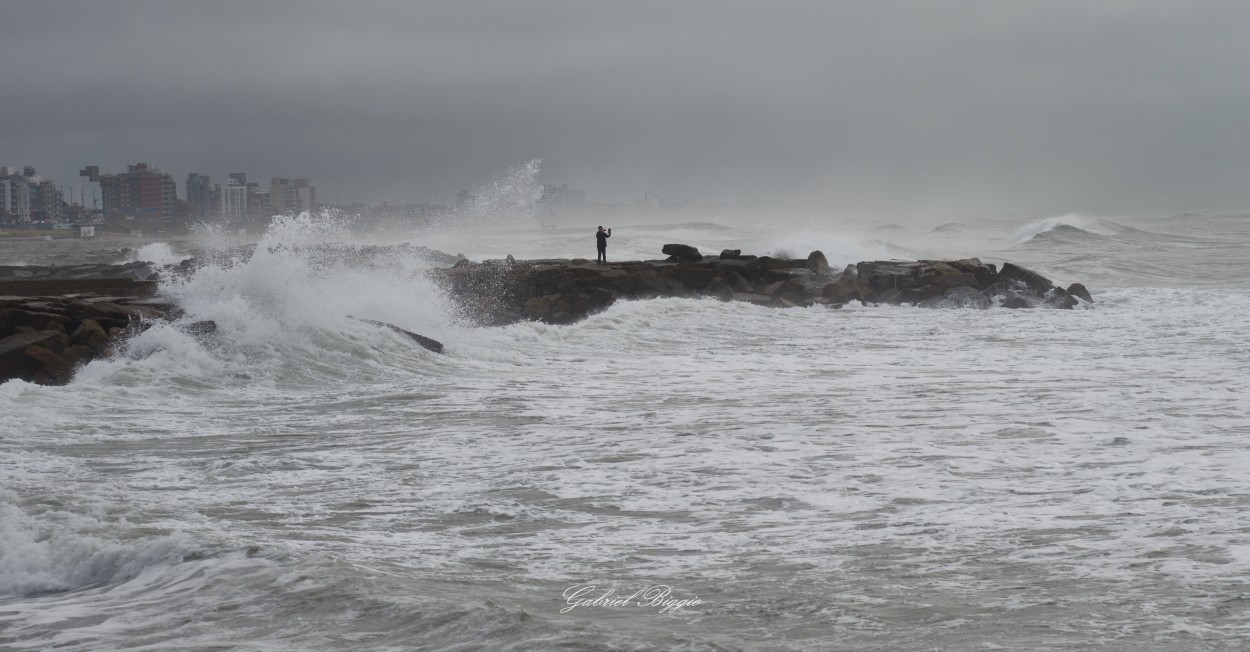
<point>55,319</point>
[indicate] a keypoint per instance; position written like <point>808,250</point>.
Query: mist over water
<point>863,478</point>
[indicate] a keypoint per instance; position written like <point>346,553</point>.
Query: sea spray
<point>507,202</point>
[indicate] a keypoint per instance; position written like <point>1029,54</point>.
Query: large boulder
<point>14,361</point>
<point>1077,290</point>
<point>817,263</point>
<point>695,277</point>
<point>682,252</point>
<point>91,335</point>
<point>876,277</point>
<point>52,368</point>
<point>1036,283</point>
<point>739,283</point>
<point>1059,298</point>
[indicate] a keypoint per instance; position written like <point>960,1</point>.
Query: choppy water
<point>867,478</point>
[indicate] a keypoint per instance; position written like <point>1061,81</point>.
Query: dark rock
<point>650,279</point>
<point>1059,298</point>
<point>962,296</point>
<point>90,334</point>
<point>52,367</point>
<point>33,314</point>
<point>998,289</point>
<point>602,298</point>
<point>429,343</point>
<point>948,281</point>
<point>682,252</point>
<point>201,328</point>
<point>78,355</point>
<point>538,307</point>
<point>890,295</point>
<point>783,274</point>
<point>774,288</point>
<point>14,363</point>
<point>1077,290</point>
<point>846,288</point>
<point>564,291</point>
<point>731,254</point>
<point>1017,302</point>
<point>739,284</point>
<point>695,277</point>
<point>817,263</point>
<point>876,277</point>
<point>986,274</point>
<point>1030,279</point>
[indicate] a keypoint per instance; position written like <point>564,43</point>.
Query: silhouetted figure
<point>601,241</point>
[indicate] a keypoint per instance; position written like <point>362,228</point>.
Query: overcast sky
<point>887,108</point>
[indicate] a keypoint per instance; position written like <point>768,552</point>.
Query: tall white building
<point>234,199</point>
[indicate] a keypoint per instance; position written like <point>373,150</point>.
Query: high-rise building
<point>234,198</point>
<point>142,192</point>
<point>200,195</point>
<point>47,203</point>
<point>292,196</point>
<point>15,202</point>
<point>27,197</point>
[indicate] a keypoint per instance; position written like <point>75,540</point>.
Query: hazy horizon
<point>901,111</point>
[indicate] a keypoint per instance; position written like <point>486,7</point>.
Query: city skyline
<point>906,109</point>
<point>147,193</point>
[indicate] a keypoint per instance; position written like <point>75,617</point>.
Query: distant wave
<point>1028,231</point>
<point>1068,235</point>
<point>1079,229</point>
<point>953,228</point>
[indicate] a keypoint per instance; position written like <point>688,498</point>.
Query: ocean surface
<point>725,476</point>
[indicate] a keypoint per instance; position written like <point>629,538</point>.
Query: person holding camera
<point>601,241</point>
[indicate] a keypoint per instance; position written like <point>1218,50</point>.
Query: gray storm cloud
<point>889,108</point>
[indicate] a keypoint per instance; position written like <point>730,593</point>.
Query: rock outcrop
<point>43,339</point>
<point>427,342</point>
<point>56,319</point>
<point>564,291</point>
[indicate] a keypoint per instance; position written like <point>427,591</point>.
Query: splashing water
<point>507,202</point>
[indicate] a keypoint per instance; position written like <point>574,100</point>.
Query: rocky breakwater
<point>497,292</point>
<point>56,319</point>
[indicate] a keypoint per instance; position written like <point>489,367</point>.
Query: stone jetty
<point>55,319</point>
<point>497,292</point>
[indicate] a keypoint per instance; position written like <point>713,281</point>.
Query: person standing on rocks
<point>601,241</point>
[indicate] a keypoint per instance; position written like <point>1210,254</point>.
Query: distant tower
<point>200,194</point>
<point>234,198</point>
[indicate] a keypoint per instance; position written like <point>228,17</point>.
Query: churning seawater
<point>869,478</point>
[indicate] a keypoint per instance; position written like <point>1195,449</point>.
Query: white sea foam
<point>158,253</point>
<point>52,550</point>
<point>848,478</point>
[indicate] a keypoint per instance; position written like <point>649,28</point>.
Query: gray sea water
<point>869,478</point>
